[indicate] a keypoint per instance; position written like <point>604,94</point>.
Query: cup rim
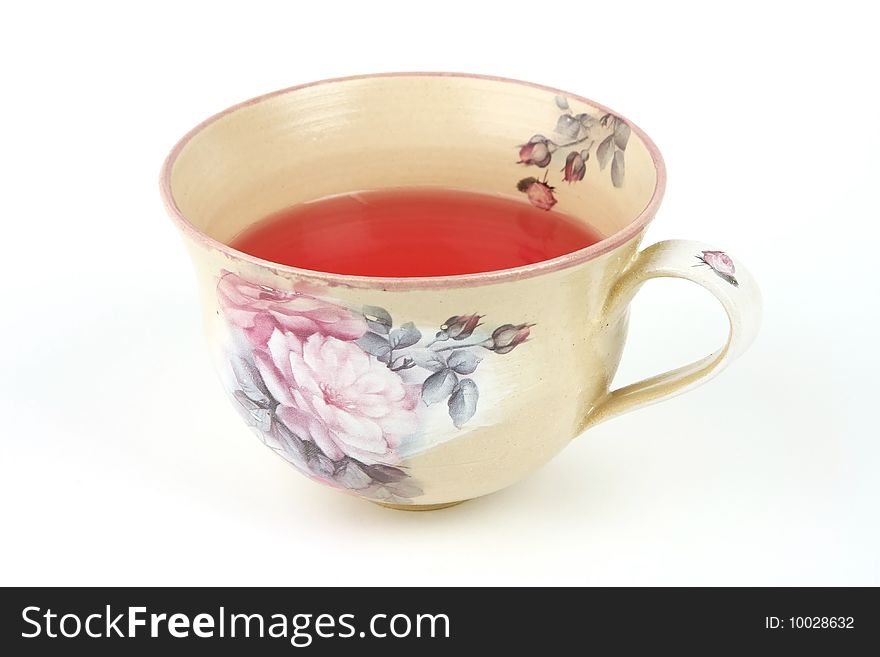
<point>572,259</point>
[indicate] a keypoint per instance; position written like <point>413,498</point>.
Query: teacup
<point>506,367</point>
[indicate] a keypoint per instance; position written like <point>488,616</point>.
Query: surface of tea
<point>414,232</point>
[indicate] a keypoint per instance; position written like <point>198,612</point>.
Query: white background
<point>121,462</point>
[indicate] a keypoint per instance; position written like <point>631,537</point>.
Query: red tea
<point>414,232</point>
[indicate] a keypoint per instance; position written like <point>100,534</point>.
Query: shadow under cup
<point>414,392</point>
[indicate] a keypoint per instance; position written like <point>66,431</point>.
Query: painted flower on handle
<point>721,264</point>
<point>719,261</point>
<point>337,392</point>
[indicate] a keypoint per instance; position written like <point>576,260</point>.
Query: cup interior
<point>412,130</point>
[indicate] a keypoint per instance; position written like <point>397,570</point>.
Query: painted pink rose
<point>459,327</point>
<point>259,310</point>
<point>540,193</point>
<point>575,166</point>
<point>505,338</point>
<point>339,397</point>
<point>538,151</point>
<point>719,261</point>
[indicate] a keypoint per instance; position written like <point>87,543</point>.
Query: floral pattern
<point>720,263</point>
<point>539,192</point>
<point>576,135</point>
<point>337,391</point>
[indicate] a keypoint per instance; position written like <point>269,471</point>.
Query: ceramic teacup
<point>418,393</point>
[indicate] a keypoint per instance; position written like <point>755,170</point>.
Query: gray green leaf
<point>429,360</point>
<point>405,336</point>
<point>617,169</point>
<point>438,386</point>
<point>621,134</point>
<point>463,402</point>
<point>604,152</point>
<point>463,361</point>
<point>375,344</point>
<point>377,315</point>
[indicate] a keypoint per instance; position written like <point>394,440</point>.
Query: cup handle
<point>725,277</point>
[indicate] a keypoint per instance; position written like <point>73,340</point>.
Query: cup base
<point>418,507</point>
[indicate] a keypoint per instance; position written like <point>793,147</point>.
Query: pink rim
<point>569,260</point>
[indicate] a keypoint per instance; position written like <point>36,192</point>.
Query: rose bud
<point>719,261</point>
<point>506,337</point>
<point>459,327</point>
<point>538,151</point>
<point>540,193</point>
<point>575,166</point>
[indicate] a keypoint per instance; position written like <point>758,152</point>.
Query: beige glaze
<point>463,132</point>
